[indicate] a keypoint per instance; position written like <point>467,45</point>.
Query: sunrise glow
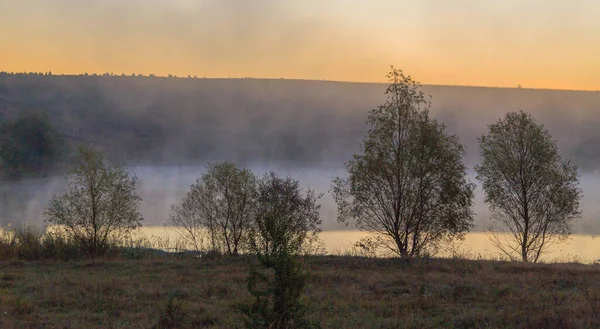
<point>537,44</point>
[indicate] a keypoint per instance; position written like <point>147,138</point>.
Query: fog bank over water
<point>162,187</point>
<point>166,129</point>
<point>150,121</point>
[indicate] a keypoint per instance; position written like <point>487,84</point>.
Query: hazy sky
<point>536,43</point>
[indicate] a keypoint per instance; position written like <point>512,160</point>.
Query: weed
<point>172,314</point>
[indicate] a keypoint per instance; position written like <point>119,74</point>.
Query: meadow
<point>46,283</point>
<point>162,291</point>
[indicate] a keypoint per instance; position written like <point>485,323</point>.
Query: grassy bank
<point>343,292</point>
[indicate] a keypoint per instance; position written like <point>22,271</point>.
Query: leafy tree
<point>408,185</point>
<point>221,201</point>
<point>284,218</point>
<point>100,206</point>
<point>29,145</point>
<point>532,192</point>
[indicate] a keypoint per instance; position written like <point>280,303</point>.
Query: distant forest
<point>147,120</point>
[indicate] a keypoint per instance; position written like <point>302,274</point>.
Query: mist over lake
<point>163,186</point>
<point>185,163</point>
<point>166,130</point>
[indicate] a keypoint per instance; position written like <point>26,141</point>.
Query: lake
<point>476,245</point>
<point>23,203</point>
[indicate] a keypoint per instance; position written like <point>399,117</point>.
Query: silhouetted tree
<point>101,205</point>
<point>531,191</point>
<point>220,202</point>
<point>408,184</point>
<point>284,218</point>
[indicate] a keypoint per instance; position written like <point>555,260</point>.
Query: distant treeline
<point>111,74</point>
<point>29,146</point>
<point>168,121</point>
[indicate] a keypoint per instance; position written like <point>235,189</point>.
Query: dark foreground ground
<point>343,292</point>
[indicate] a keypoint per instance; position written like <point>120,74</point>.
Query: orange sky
<point>539,44</point>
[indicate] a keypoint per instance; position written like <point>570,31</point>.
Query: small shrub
<point>212,254</point>
<point>172,314</point>
<point>277,294</point>
<point>21,244</point>
<point>61,246</point>
<point>284,219</point>
<point>549,319</point>
<point>8,277</point>
<point>21,307</point>
<point>29,244</point>
<point>7,245</point>
<point>206,319</point>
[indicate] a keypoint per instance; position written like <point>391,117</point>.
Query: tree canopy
<point>408,183</point>
<point>100,206</point>
<point>221,203</point>
<point>29,145</point>
<point>532,192</point>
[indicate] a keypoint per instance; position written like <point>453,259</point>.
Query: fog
<point>161,187</point>
<point>165,130</point>
<point>161,121</point>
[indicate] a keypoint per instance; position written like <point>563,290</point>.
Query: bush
<point>172,314</point>
<point>30,244</point>
<point>283,221</point>
<point>56,245</point>
<point>22,244</point>
<point>277,291</point>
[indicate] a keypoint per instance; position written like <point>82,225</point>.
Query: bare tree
<point>531,191</point>
<point>408,185</point>
<point>101,205</point>
<point>221,203</point>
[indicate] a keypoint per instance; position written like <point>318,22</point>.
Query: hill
<point>175,121</point>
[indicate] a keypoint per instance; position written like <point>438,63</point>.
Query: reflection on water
<point>581,248</point>
<point>476,245</point>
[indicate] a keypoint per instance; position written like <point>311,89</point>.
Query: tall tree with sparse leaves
<point>221,203</point>
<point>532,192</point>
<point>408,183</point>
<point>100,206</point>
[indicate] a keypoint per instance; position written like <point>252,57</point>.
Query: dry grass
<point>343,292</point>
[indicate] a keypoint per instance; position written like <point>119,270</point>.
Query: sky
<point>534,43</point>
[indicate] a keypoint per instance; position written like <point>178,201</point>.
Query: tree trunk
<point>402,248</point>
<point>524,251</point>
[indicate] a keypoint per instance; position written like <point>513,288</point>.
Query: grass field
<point>343,292</point>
